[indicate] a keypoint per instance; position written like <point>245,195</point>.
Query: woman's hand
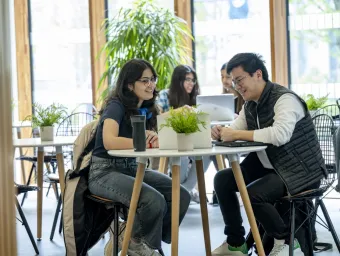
<point>216,132</point>
<point>151,139</point>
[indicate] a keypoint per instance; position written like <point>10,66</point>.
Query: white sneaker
<point>225,250</point>
<point>135,249</point>
<point>141,249</point>
<point>282,249</point>
<point>195,197</point>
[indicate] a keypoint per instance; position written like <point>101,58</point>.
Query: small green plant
<point>314,103</point>
<point>48,116</point>
<point>184,120</point>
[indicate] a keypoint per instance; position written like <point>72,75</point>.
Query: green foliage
<point>48,116</point>
<point>147,32</point>
<point>184,120</point>
<point>315,103</point>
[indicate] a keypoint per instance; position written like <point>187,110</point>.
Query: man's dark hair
<point>250,62</point>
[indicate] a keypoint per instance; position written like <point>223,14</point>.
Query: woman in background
<point>183,90</point>
<point>228,87</point>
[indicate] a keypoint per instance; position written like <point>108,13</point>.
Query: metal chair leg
<point>292,229</point>
<point>27,227</point>
<point>56,215</point>
<point>116,231</point>
<point>309,225</point>
<point>27,183</point>
<point>330,224</point>
<point>61,223</point>
<point>161,252</point>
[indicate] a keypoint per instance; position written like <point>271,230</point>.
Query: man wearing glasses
<point>292,162</point>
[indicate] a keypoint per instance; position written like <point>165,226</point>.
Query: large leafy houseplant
<point>45,118</point>
<point>148,32</point>
<point>184,122</point>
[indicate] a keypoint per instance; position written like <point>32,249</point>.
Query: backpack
<point>84,221</point>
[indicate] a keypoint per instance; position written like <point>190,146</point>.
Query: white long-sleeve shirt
<point>288,110</point>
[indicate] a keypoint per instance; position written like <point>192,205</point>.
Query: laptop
<point>239,143</point>
<point>219,107</point>
<point>167,137</point>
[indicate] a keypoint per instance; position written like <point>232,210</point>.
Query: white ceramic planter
<point>184,142</point>
<point>47,133</point>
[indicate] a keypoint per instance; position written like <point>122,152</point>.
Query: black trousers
<point>264,187</point>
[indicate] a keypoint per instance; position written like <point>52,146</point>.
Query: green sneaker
<point>225,250</point>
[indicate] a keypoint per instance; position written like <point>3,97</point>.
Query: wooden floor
<point>191,234</point>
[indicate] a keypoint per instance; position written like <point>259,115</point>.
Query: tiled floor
<point>191,241</point>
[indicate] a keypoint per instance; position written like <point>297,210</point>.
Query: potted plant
<point>46,118</point>
<point>148,32</point>
<point>313,103</point>
<point>184,122</point>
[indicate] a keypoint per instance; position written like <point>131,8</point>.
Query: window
<point>60,38</point>
<point>115,5</point>
<point>314,38</point>
<point>223,28</point>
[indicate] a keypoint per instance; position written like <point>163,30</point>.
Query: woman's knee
<point>223,180</point>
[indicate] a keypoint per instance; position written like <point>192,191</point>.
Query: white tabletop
<point>213,123</point>
<point>155,152</point>
<point>21,124</point>
<point>36,142</point>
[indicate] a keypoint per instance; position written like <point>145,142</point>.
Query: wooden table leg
<point>163,165</point>
<point>220,162</point>
<point>133,204</point>
<point>247,205</point>
<point>61,168</point>
<point>40,173</point>
<point>176,168</point>
<point>203,203</point>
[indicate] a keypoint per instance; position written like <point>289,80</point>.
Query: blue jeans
<point>114,179</point>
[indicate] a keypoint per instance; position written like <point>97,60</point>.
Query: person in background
<point>183,91</point>
<point>227,87</point>
<point>291,163</point>
<point>113,177</point>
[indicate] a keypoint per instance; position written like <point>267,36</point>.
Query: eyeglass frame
<point>153,79</point>
<point>188,79</point>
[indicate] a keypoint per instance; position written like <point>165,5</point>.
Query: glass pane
<point>61,52</point>
<point>315,47</point>
<point>224,28</point>
<point>115,5</point>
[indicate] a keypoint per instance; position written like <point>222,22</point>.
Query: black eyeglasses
<point>188,80</point>
<point>147,81</point>
<point>238,81</point>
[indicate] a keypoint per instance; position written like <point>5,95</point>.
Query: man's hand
<point>216,132</point>
<point>151,139</point>
<point>228,134</point>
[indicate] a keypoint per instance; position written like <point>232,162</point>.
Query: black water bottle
<point>138,132</point>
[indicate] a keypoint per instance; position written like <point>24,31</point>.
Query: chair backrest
<point>331,110</point>
<point>72,124</point>
<point>325,130</point>
<point>85,107</point>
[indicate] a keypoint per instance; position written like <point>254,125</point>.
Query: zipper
<point>257,125</point>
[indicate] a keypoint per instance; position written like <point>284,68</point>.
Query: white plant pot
<point>184,142</point>
<point>47,133</point>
